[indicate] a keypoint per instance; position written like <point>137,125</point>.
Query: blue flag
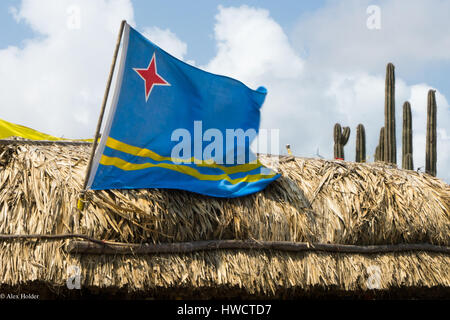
<point>174,126</point>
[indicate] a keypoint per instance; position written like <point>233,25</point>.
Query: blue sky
<point>318,59</point>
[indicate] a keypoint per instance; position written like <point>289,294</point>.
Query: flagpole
<point>102,111</point>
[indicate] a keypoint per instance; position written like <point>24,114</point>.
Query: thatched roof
<point>315,202</point>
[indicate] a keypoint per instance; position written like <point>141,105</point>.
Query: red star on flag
<point>151,77</point>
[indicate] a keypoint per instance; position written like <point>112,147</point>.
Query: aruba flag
<point>174,126</point>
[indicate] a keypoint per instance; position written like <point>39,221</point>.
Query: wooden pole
<point>102,110</point>
<point>89,247</point>
<point>92,245</point>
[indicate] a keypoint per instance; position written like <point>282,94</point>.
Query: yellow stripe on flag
<point>128,166</point>
<point>146,153</point>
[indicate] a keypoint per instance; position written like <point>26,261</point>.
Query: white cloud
<point>250,45</point>
<point>166,40</point>
<point>55,83</point>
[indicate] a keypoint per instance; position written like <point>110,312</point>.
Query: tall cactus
<point>360,143</point>
<point>340,140</point>
<point>430,161</point>
<point>407,146</point>
<point>408,162</point>
<point>390,143</point>
<point>379,151</point>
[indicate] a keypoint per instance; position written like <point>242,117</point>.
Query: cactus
<point>408,162</point>
<point>340,140</point>
<point>360,143</point>
<point>407,147</point>
<point>379,151</point>
<point>430,160</point>
<point>390,144</point>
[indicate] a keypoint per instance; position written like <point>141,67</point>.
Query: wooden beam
<point>95,246</point>
<point>87,247</point>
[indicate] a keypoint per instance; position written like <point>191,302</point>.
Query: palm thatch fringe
<point>255,272</point>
